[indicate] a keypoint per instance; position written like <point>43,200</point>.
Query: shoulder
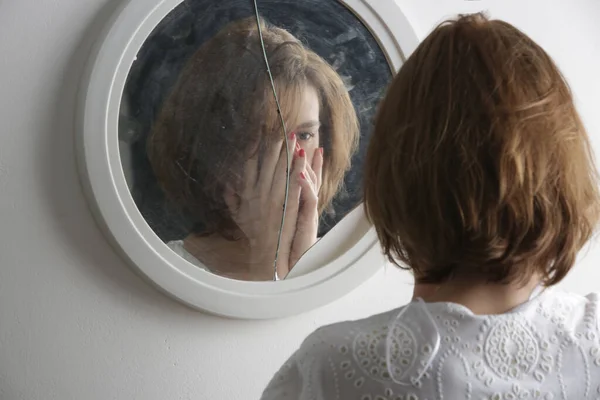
<point>175,245</point>
<point>333,358</point>
<point>178,247</point>
<point>579,312</point>
<point>342,337</point>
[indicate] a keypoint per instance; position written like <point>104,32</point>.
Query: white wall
<point>75,323</point>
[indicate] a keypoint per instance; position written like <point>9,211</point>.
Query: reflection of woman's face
<point>307,130</point>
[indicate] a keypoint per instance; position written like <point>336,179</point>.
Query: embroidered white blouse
<point>547,348</point>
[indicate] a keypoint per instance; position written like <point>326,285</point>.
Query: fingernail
<point>321,150</point>
<point>301,153</point>
<point>292,135</point>
<point>302,175</point>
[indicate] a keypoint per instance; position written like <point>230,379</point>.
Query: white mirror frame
<point>105,187</point>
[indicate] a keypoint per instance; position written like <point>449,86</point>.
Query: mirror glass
<point>237,167</point>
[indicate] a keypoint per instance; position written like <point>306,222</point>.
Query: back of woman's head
<point>479,164</point>
<point>222,111</point>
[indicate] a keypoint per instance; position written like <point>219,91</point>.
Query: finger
<point>308,195</point>
<point>298,165</point>
<point>307,220</point>
<point>287,157</point>
<point>317,166</point>
<point>293,204</point>
<point>311,175</point>
<point>280,178</point>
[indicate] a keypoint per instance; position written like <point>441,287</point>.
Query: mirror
<point>238,173</point>
<point>147,134</point>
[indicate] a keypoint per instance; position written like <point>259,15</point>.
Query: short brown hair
<point>222,110</point>
<point>479,164</point>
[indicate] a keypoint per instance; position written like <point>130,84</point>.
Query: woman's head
<point>479,164</point>
<point>222,111</point>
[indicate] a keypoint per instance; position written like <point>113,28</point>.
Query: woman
<point>480,180</point>
<point>218,151</point>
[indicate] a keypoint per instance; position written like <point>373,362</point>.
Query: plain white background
<point>75,323</point>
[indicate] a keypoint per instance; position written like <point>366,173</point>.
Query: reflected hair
<point>479,165</point>
<point>222,111</point>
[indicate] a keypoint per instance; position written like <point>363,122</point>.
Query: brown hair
<point>479,164</point>
<point>222,110</point>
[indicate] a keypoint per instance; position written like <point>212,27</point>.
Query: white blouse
<point>178,248</point>
<point>547,348</point>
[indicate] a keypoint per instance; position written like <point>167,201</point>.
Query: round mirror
<point>222,145</point>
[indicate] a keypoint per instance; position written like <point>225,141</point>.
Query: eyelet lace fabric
<point>548,348</point>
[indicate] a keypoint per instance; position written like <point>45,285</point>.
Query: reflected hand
<point>309,180</point>
<point>258,208</point>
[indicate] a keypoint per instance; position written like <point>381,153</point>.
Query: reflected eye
<point>304,136</point>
